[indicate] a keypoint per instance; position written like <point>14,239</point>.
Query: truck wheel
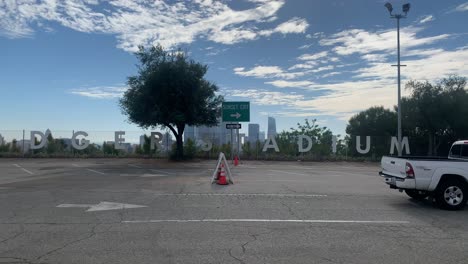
<point>451,195</point>
<point>417,195</point>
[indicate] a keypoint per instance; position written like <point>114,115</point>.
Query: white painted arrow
<point>236,115</point>
<point>102,206</point>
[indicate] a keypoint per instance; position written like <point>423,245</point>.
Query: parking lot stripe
<point>266,221</point>
<point>160,171</point>
<point>241,194</point>
<point>74,165</point>
<point>134,166</point>
<point>23,169</point>
<point>95,171</point>
<point>287,172</point>
<point>27,171</point>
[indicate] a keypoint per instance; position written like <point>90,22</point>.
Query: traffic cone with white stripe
<point>222,176</point>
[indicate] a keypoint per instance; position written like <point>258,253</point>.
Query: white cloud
<point>462,7</point>
<point>295,25</point>
<point>431,65</point>
<point>291,84</point>
<point>376,84</point>
<point>374,57</point>
<point>101,92</point>
<point>362,42</point>
<point>267,72</point>
<point>374,81</point>
<point>308,57</point>
<point>307,65</point>
<point>265,97</point>
<point>330,74</point>
<point>426,19</point>
<point>259,71</point>
<point>306,46</point>
<point>148,22</point>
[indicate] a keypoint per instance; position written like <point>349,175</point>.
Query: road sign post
<point>235,112</point>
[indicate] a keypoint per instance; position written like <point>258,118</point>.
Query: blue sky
<point>65,63</point>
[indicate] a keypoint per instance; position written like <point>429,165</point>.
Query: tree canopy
<point>170,91</point>
<point>436,111</point>
<point>432,117</point>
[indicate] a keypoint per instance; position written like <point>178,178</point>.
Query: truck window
<point>464,151</point>
<point>455,151</point>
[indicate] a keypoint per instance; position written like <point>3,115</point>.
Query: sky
<point>64,64</point>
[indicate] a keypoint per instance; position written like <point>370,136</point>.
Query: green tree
<point>190,149</point>
<point>433,112</point>
<point>378,123</point>
<point>321,139</point>
<point>170,91</point>
<point>53,145</point>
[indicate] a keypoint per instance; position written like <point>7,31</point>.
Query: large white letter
<point>358,145</point>
<point>205,145</point>
<point>119,139</point>
<point>270,143</point>
<point>334,140</point>
<point>300,143</point>
<point>42,142</point>
<point>84,143</point>
<point>404,144</point>
<point>156,139</point>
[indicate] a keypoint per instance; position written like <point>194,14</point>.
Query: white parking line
<point>241,194</point>
<point>75,165</point>
<point>164,172</point>
<point>153,175</point>
<point>95,171</point>
<point>287,172</point>
<point>266,221</point>
<point>248,167</point>
<point>134,166</point>
<point>23,169</point>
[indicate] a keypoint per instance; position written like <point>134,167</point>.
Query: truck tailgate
<point>393,166</point>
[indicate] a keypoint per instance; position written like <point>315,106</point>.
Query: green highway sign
<point>236,111</point>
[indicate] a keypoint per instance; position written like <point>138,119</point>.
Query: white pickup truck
<point>444,179</point>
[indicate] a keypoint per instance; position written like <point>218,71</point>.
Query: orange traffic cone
<point>219,171</point>
<point>222,177</point>
<point>236,160</point>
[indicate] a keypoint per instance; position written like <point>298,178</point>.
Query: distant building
<point>167,141</point>
<point>128,148</point>
<point>142,140</point>
<point>254,133</point>
<point>261,136</point>
<point>271,127</point>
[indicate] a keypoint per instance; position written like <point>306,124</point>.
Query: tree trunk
<point>180,147</point>
<point>180,143</point>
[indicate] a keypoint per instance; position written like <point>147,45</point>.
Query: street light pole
<point>406,8</point>
<point>399,87</point>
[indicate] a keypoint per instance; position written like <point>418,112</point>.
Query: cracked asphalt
<point>276,212</point>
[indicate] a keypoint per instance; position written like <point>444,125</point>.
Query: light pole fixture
<point>406,8</point>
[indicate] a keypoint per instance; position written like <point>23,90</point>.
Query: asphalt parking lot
<point>153,211</point>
